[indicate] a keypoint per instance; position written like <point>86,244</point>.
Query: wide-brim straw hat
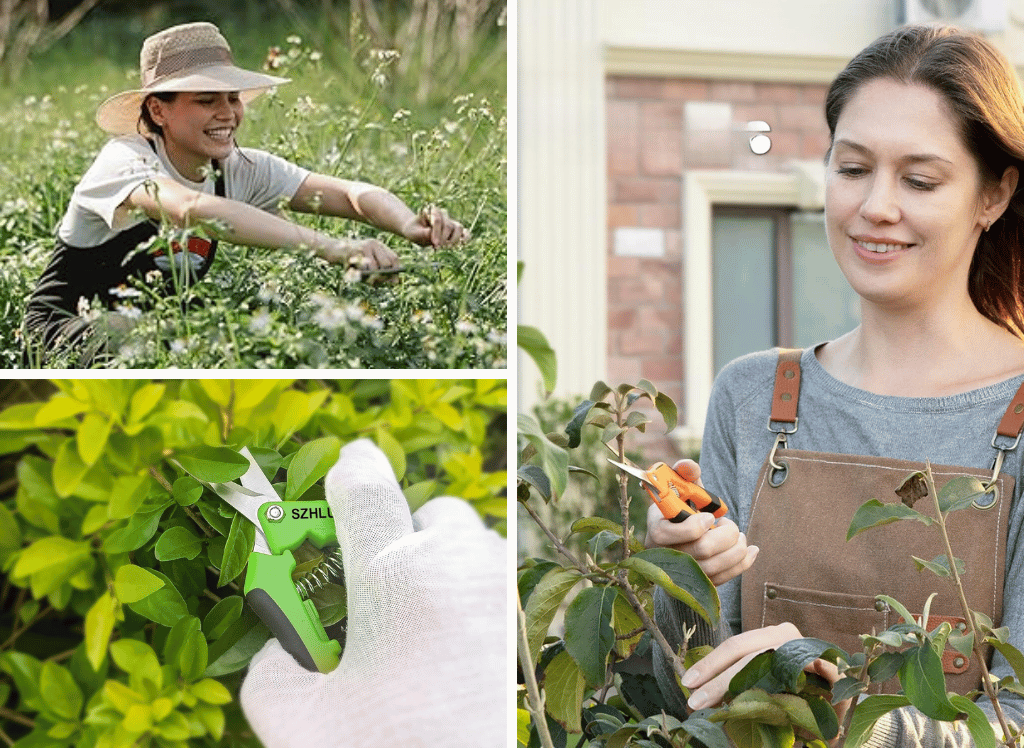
<point>191,57</point>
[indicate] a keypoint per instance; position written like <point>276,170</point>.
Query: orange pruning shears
<point>676,497</point>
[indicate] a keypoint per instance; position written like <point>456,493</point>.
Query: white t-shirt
<point>96,212</point>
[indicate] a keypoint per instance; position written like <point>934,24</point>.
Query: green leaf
<point>392,450</point>
<point>133,583</point>
<point>867,713</point>
<point>588,632</point>
<point>667,407</point>
<point>194,655</point>
<point>924,683</point>
<point>544,602</point>
<point>222,616</point>
<point>68,469</point>
<point>48,552</point>
<point>10,534</point>
<point>293,410</point>
<point>939,565</point>
<point>136,657</point>
<point>554,460</point>
<point>58,409</point>
<point>92,437</point>
<point>899,607</point>
<point>59,691</point>
<point>211,692</point>
<point>139,530</point>
<point>187,490</point>
<point>143,401</point>
<point>233,650</point>
<point>21,417</point>
<point>681,577</point>
<point>960,493</point>
<point>534,476</point>
<point>311,463</point>
<point>240,542</point>
<point>874,513</point>
<point>793,656</point>
<point>99,625</point>
<point>625,621</point>
<point>532,340</point>
<point>564,685</point>
<point>213,464</point>
<point>1012,654</point>
<point>165,606</point>
<point>26,671</point>
<point>575,426</point>
<point>127,495</point>
<point>177,542</point>
<point>977,722</point>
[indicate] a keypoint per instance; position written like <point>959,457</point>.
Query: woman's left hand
<point>434,227</point>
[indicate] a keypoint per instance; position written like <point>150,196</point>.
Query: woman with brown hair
<point>924,217</point>
<point>174,157</point>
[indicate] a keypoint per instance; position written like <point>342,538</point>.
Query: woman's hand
<point>719,547</point>
<point>366,254</point>
<point>433,226</point>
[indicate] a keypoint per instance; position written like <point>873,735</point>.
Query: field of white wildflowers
<point>273,309</point>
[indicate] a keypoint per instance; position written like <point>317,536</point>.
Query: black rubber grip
<point>281,627</point>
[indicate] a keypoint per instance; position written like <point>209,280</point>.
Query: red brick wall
<point>647,155</point>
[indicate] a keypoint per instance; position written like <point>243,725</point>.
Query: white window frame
<point>703,189</point>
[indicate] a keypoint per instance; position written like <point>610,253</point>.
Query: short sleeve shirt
<point>96,212</point>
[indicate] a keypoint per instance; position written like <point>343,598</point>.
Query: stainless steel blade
<point>634,471</point>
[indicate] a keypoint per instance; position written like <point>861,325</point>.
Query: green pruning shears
<point>281,527</point>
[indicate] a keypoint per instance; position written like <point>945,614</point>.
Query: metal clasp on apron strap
<point>1010,427</point>
<point>785,398</point>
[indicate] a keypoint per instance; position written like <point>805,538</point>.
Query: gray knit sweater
<point>834,417</point>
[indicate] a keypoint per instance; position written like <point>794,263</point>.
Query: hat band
<point>169,65</point>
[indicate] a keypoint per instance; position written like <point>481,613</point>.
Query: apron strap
<point>787,386</point>
<point>1013,419</point>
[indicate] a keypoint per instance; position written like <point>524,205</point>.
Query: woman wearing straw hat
<point>174,158</point>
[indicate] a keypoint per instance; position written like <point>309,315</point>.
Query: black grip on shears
<point>280,627</point>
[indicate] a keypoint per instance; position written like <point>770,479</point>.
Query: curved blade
<point>636,472</point>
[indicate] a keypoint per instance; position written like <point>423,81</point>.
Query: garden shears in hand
<point>676,497</point>
<point>281,527</point>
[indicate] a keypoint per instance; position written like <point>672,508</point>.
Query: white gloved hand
<point>425,653</point>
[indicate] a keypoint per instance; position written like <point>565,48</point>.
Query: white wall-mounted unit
<point>988,16</point>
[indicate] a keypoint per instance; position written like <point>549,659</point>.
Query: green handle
<point>269,588</point>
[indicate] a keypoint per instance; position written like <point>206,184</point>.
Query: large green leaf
<point>68,469</point>
<point>960,493</point>
<point>222,616</point>
<point>92,436</point>
<point>588,632</point>
<point>165,606</point>
<point>874,513</point>
<point>133,583</point>
<point>791,658</point>
<point>240,542</point>
<point>681,577</point>
<point>564,686</point>
<point>310,464</point>
<point>48,552</point>
<point>924,683</point>
<point>574,428</point>
<point>554,460</point>
<point>544,602</point>
<point>99,625</point>
<point>867,713</point>
<point>59,691</point>
<point>213,464</point>
<point>177,542</point>
<point>532,340</point>
<point>139,530</point>
<point>977,722</point>
<point>233,650</point>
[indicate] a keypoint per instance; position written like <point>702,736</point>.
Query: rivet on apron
<point>959,662</point>
<point>880,606</point>
<point>961,626</point>
<point>771,593</point>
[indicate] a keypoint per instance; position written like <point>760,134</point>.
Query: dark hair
<point>982,92</point>
<point>146,119</point>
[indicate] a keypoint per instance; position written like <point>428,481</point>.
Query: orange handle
<point>677,497</point>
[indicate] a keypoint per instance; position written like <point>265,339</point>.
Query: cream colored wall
<point>564,50</point>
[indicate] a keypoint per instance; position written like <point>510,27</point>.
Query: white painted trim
<point>702,190</point>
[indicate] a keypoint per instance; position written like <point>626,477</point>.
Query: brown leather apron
<point>808,574</point>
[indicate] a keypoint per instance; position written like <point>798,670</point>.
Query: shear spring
<point>329,569</point>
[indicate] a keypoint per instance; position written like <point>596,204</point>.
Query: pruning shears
<point>676,497</point>
<point>281,527</point>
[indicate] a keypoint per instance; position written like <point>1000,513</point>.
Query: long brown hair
<point>981,90</point>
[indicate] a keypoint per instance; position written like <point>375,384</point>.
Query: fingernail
<point>691,678</point>
<point>699,700</point>
<point>707,520</point>
<point>752,552</point>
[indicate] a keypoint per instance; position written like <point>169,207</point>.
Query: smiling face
<point>198,127</point>
<point>904,199</point>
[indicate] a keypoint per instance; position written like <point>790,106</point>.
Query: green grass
<point>272,309</point>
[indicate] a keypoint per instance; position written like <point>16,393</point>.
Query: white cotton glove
<point>425,652</point>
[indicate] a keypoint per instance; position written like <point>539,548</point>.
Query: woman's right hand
<point>718,546</point>
<point>366,254</point>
